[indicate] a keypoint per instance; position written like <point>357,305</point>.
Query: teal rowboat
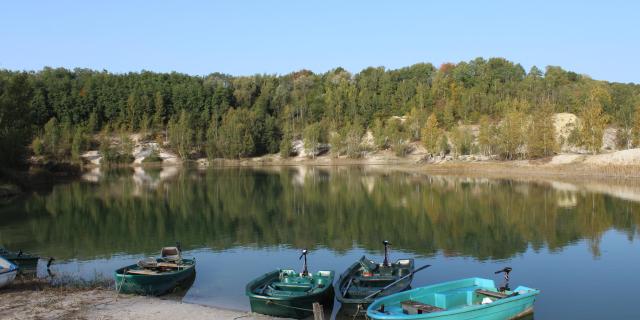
<point>473,298</point>
<point>156,276</point>
<point>288,294</point>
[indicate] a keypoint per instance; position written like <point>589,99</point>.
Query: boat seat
<point>374,279</point>
<point>142,272</point>
<point>415,307</point>
<point>292,286</point>
<point>493,294</point>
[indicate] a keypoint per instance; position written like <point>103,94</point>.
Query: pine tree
<point>431,134</point>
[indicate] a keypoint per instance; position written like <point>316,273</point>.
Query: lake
<point>577,244</point>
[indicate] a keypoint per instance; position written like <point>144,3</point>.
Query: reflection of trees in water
<point>328,207</point>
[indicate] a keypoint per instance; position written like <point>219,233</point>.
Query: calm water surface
<point>579,247</point>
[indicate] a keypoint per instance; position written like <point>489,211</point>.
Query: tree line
<point>59,113</point>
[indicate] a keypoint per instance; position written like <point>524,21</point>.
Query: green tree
<point>286,148</point>
<point>235,135</point>
<point>181,134</point>
<point>212,149</point>
<point>313,137</point>
<point>51,138</point>
<point>79,143</point>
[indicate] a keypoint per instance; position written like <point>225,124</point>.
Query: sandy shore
<point>37,300</point>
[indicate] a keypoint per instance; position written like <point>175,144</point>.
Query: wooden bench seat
<point>415,307</point>
<point>493,294</point>
<point>142,272</point>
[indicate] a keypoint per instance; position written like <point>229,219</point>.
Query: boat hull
<point>296,307</point>
<point>8,272</point>
<point>511,307</point>
<point>153,285</point>
<point>7,278</point>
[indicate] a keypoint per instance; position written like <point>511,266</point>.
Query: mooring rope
<point>292,307</point>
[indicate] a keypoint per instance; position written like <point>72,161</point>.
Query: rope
<point>292,307</point>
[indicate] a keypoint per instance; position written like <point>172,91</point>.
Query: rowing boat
<point>156,276</point>
<point>473,298</point>
<point>365,278</point>
<point>286,293</point>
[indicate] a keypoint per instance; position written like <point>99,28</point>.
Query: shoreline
<point>38,299</point>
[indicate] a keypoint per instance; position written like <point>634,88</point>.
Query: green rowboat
<point>288,294</point>
<point>473,298</point>
<point>156,276</point>
<point>365,277</point>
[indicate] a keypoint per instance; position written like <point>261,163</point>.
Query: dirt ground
<point>36,299</point>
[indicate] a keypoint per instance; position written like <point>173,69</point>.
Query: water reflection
<point>137,210</point>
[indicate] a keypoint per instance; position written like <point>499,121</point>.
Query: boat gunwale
<point>448,312</point>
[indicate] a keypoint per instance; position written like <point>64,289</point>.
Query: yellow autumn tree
<point>431,134</point>
<point>593,121</point>
<point>635,129</point>
<point>541,140</point>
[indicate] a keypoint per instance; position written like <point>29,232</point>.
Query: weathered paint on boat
<point>285,293</point>
<point>8,272</point>
<point>362,283</point>
<point>154,284</point>
<point>459,301</point>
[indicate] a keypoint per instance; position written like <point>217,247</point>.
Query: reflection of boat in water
<point>158,276</point>
<point>286,293</point>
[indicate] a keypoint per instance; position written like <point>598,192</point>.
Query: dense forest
<point>59,113</point>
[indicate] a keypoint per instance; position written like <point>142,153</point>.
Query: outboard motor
<point>305,271</point>
<point>386,253</point>
<point>506,272</point>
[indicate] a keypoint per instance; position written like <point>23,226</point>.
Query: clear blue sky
<point>247,37</point>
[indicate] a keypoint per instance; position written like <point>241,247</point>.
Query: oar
<point>346,289</point>
<point>393,283</point>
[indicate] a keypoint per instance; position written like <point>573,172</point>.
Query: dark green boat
<point>365,277</point>
<point>156,276</point>
<point>288,294</point>
<point>25,261</point>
